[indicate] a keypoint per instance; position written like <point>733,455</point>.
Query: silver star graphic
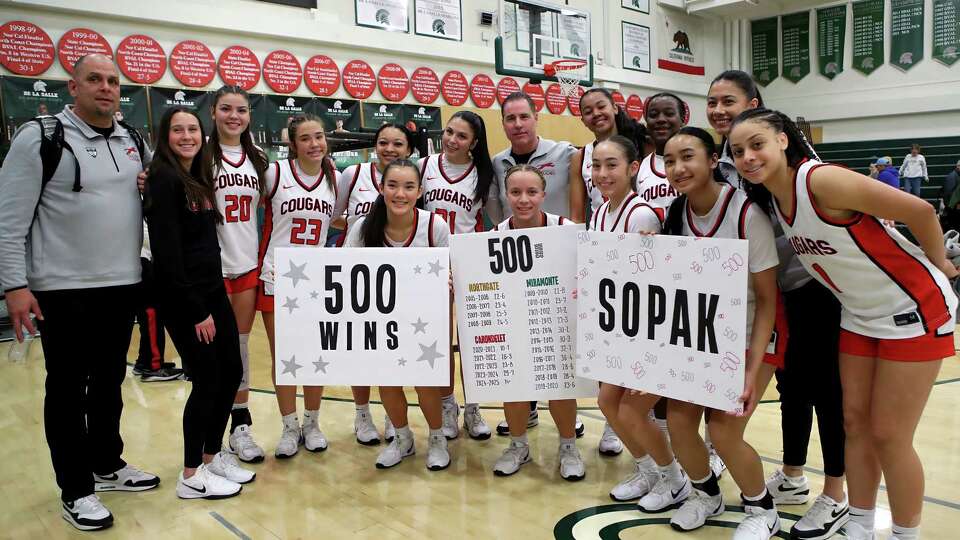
<point>419,326</point>
<point>296,273</point>
<point>429,354</point>
<point>291,304</point>
<point>314,295</point>
<point>401,362</point>
<point>435,268</point>
<point>320,365</point>
<point>417,269</point>
<point>291,366</point>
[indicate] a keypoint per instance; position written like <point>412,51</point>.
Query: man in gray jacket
<point>69,255</point>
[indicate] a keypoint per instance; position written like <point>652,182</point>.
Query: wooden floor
<point>339,493</point>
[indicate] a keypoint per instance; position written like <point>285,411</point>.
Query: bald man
<point>69,256</point>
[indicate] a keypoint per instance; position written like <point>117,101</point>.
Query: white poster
<point>438,18</point>
<point>574,37</point>
<point>642,6</point>
<point>680,42</point>
<point>386,14</point>
<point>636,47</point>
<point>663,314</point>
<point>363,316</point>
<point>521,21</point>
<point>516,314</point>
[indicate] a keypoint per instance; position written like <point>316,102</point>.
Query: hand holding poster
<point>515,314</point>
<point>663,314</point>
<point>363,316</point>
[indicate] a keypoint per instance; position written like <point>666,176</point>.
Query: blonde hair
<point>524,167</point>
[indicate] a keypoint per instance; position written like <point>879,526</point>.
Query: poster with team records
<point>831,29</point>
<point>868,35</point>
<point>946,31</point>
<point>438,18</point>
<point>362,316</point>
<point>516,314</point>
<point>636,46</point>
<point>385,14</point>
<point>764,50</point>
<point>795,37</point>
<point>663,314</point>
<point>906,33</point>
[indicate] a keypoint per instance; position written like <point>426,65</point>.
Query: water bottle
<point>19,351</point>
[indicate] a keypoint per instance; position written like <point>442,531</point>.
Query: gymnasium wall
<point>887,104</point>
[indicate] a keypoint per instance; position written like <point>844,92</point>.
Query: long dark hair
<point>256,156</point>
<point>624,125</point>
<point>327,166</point>
<point>407,134</point>
<point>480,153</point>
<point>198,181</point>
<point>798,147</point>
<point>674,222</point>
<point>746,84</point>
<point>375,222</point>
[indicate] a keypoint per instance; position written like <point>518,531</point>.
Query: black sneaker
<point>140,370</point>
<point>87,513</point>
<point>162,374</point>
<point>532,421</point>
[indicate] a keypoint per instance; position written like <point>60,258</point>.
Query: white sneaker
<point>533,420</point>
<point>663,496</point>
<point>364,429</point>
<point>693,513</point>
<point>716,462</point>
<point>610,444</point>
<point>87,513</point>
<point>473,422</point>
<point>636,485</point>
<point>451,416</point>
<point>314,439</point>
<point>225,465</point>
<point>394,453</point>
<point>389,432</point>
<point>855,531</point>
<point>788,490</point>
<point>206,485</point>
<point>760,524</point>
<point>951,243</point>
<point>571,463</point>
<point>242,444</point>
<point>438,457</point>
<point>578,428</point>
<point>129,478</point>
<point>290,440</point>
<point>512,458</point>
<point>822,520</point>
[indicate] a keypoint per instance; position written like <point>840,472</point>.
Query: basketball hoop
<point>569,72</point>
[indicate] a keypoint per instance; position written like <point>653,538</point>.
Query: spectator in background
<point>950,183</point>
<point>886,173</point>
<point>951,198</point>
<point>913,170</point>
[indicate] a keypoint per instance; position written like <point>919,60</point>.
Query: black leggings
<point>811,378</point>
<point>215,372</point>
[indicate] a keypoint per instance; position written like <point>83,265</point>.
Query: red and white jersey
<point>586,171</point>
<point>652,184</point>
<point>429,230</point>
<point>734,216</point>
<point>453,197</point>
<point>299,211</point>
<point>237,190</point>
<point>633,215</point>
<point>361,184</point>
<point>547,220</point>
<point>886,285</point>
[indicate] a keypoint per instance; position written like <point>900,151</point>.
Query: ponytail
<point>375,223</point>
<point>673,224</point>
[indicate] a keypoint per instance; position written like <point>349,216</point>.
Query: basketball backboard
<point>535,32</point>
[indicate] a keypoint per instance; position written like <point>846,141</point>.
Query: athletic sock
<point>570,441</point>
<point>364,408</point>
<point>240,416</point>
<point>672,472</point>
<point>406,433</point>
<point>862,517</point>
<point>646,463</point>
<point>449,400</point>
<point>472,407</point>
<point>311,417</point>
<point>290,419</point>
<point>433,433</point>
<point>520,441</point>
<point>905,533</point>
<point>708,485</point>
<point>763,500</point>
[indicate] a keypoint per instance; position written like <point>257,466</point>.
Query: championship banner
<point>795,37</point>
<point>763,36</point>
<point>25,98</point>
<point>377,114</point>
<point>516,314</point>
<point>134,109</point>
<point>362,316</point>
<point>337,114</point>
<point>868,35</point>
<point>162,99</point>
<point>946,31</point>
<point>438,18</point>
<point>906,33</point>
<point>276,113</point>
<point>385,14</point>
<point>663,314</point>
<point>680,47</point>
<point>831,30</point>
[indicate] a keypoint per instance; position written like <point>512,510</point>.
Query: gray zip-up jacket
<point>553,160</point>
<point>61,239</point>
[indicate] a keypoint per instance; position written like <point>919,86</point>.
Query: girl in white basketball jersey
<point>898,310</point>
<point>395,221</point>
<point>603,118</point>
<point>302,200</point>
<point>455,185</point>
<point>709,207</point>
<point>361,183</point>
<point>526,188</point>
<point>238,170</point>
<point>664,114</point>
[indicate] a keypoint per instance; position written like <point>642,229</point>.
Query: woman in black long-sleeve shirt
<point>182,219</point>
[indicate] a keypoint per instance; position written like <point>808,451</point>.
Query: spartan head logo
<point>438,27</point>
<point>383,109</point>
<point>796,71</point>
<point>950,52</point>
<point>906,58</point>
<point>180,95</point>
<point>422,111</point>
<point>831,67</point>
<point>867,63</point>
<point>39,86</point>
<point>383,17</point>
<point>291,102</point>
<point>681,42</point>
<point>764,75</point>
<point>575,49</point>
<point>338,104</point>
<point>636,3</point>
<point>636,62</point>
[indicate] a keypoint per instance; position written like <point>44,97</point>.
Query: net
<point>569,72</point>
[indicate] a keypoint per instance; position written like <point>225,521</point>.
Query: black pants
<point>86,333</point>
<point>811,378</point>
<point>150,321</point>
<point>215,372</point>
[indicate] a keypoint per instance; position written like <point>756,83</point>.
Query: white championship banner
<point>664,314</point>
<point>362,316</point>
<point>515,314</point>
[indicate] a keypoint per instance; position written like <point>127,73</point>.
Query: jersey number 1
<point>449,217</point>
